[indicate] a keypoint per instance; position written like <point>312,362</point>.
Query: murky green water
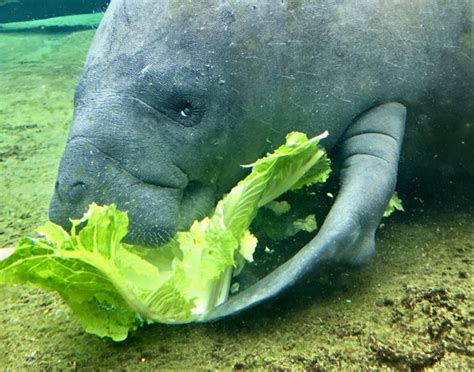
<point>410,308</point>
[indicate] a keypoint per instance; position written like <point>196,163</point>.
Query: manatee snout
<point>87,175</point>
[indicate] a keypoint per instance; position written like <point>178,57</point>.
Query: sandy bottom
<point>411,308</point>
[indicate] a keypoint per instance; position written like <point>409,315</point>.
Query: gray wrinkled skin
<point>175,95</point>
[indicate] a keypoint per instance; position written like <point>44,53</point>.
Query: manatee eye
<point>186,112</point>
<point>189,114</point>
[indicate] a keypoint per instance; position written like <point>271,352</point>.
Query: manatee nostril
<point>72,193</point>
<point>59,191</point>
<point>77,191</point>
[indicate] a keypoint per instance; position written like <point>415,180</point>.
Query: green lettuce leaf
<point>113,288</point>
<point>83,279</point>
<point>278,207</point>
<point>269,223</point>
<point>299,162</point>
<point>394,204</point>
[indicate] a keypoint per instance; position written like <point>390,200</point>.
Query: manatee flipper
<point>370,151</point>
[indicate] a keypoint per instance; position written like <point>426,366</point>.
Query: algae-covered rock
<point>57,24</point>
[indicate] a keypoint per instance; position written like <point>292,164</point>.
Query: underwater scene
<point>236,185</point>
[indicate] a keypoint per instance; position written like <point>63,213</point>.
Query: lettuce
<point>113,288</point>
<point>394,204</point>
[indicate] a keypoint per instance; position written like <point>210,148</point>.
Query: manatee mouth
<point>156,210</point>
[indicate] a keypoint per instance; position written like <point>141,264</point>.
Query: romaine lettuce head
<point>113,288</point>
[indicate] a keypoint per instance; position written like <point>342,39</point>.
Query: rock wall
<point>25,10</point>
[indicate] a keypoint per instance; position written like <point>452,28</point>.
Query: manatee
<point>176,95</point>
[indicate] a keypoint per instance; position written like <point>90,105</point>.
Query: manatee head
<point>172,100</point>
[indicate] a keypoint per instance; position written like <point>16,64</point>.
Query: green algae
<point>409,309</point>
